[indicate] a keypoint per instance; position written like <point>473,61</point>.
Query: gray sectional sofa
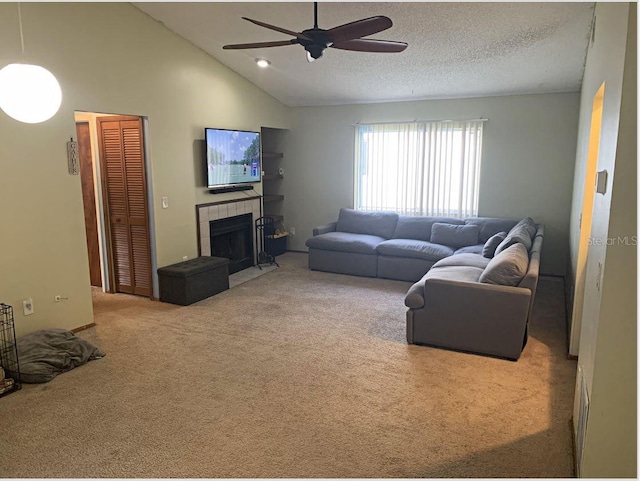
<point>474,279</point>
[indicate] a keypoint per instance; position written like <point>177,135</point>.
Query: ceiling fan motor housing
<point>319,42</point>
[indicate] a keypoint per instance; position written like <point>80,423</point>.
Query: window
<point>419,168</point>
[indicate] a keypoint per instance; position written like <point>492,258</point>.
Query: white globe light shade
<point>29,93</point>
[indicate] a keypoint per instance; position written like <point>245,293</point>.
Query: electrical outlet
<point>184,258</point>
<point>27,307</point>
<point>292,230</point>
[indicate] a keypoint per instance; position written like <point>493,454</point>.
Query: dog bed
<point>44,354</point>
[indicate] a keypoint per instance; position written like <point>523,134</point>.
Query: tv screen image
<point>233,157</point>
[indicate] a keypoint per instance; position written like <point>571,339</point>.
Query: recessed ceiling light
<point>263,63</point>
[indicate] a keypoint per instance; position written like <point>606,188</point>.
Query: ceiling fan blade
<point>370,45</point>
<point>359,28</point>
<point>279,43</point>
<point>278,29</point>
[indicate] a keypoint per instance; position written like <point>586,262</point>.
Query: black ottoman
<point>191,281</point>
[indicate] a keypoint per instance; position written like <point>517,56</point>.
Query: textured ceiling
<point>455,49</point>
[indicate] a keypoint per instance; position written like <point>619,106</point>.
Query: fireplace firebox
<point>233,238</point>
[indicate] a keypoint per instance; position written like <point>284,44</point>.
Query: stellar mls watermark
<point>625,240</point>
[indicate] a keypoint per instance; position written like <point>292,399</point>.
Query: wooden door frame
<point>96,210</point>
<point>586,218</point>
<point>106,215</point>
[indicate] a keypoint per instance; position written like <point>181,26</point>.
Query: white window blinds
<point>419,168</point>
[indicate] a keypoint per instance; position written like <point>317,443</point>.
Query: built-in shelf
<point>276,217</point>
<point>273,186</point>
<point>272,177</point>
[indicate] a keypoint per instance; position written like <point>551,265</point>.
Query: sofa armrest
<point>415,296</point>
<point>481,301</point>
<point>323,229</point>
<point>446,291</point>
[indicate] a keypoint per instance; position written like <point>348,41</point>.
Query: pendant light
<point>28,93</point>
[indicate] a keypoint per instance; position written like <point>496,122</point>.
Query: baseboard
<point>552,275</point>
<point>82,328</point>
<point>569,287</point>
<point>574,448</point>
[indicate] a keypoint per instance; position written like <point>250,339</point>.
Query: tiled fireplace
<point>227,209</point>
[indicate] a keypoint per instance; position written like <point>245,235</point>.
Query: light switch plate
<point>165,202</point>
<point>601,182</point>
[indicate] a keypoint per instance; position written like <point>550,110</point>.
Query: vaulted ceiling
<point>455,49</point>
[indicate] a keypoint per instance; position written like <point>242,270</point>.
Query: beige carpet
<point>248,274</point>
<point>293,374</point>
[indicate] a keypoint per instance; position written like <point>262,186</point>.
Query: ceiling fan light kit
<point>344,37</point>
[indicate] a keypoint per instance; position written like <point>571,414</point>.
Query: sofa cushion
<point>489,248</point>
<point>345,242</point>
<point>415,227</point>
<point>518,235</point>
<point>454,235</point>
<point>455,273</point>
<point>413,248</point>
<point>473,260</point>
<point>476,249</point>
<point>508,267</point>
<point>490,226</point>
<point>414,299</point>
<point>380,224</point>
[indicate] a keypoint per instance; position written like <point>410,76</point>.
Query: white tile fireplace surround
<point>223,210</point>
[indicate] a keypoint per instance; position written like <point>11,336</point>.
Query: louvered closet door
<point>126,196</point>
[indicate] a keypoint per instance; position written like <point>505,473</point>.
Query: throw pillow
<point>518,235</point>
<point>489,249</point>
<point>530,225</point>
<point>508,267</point>
<point>454,235</point>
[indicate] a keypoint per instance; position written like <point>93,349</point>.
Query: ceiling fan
<point>344,37</point>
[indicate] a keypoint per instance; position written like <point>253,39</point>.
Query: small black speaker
<point>230,188</point>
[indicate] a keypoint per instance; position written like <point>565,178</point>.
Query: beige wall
<point>112,58</point>
<point>605,62</point>
<point>528,154</point>
<point>607,328</point>
<point>608,335</point>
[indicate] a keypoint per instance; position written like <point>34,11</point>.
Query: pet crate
<point>10,381</point>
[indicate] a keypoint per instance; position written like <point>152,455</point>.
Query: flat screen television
<point>233,157</point>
